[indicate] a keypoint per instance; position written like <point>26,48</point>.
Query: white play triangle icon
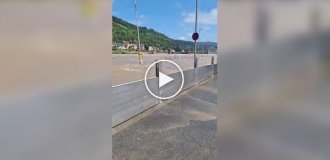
<point>164,79</point>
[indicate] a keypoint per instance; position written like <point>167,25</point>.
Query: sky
<point>174,18</point>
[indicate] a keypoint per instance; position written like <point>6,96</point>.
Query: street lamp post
<point>138,35</point>
<point>196,15</point>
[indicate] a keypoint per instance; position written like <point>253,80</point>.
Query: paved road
<point>125,67</point>
<point>182,129</point>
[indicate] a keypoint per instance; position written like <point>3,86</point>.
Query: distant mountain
<point>124,31</point>
<point>180,44</point>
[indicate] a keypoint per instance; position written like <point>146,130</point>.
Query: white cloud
<point>205,28</point>
<point>204,18</point>
<point>182,38</point>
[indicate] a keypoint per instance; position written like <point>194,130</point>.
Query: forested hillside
<point>124,31</point>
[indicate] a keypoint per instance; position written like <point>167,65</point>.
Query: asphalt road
<point>125,67</point>
<point>184,128</point>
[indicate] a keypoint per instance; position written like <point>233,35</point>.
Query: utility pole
<point>196,15</point>
<point>138,34</point>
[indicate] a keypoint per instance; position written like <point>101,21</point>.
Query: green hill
<point>124,31</point>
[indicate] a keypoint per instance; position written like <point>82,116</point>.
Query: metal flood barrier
<point>129,100</point>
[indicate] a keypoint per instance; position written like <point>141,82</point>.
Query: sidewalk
<point>182,129</point>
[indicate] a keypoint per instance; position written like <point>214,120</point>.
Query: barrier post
<point>158,67</point>
<point>195,68</point>
<point>195,62</point>
<point>213,66</point>
<point>140,57</point>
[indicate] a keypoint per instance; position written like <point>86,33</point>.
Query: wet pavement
<point>184,128</point>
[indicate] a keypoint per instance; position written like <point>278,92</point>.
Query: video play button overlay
<point>164,79</point>
<point>164,85</point>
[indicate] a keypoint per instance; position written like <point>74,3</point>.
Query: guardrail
<point>131,99</point>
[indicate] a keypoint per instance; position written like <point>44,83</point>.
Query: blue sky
<point>174,18</point>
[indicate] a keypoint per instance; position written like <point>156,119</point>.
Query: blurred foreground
<point>55,67</point>
<point>274,82</point>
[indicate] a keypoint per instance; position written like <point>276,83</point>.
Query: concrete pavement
<point>184,128</point>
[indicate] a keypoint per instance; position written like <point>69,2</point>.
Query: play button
<point>164,79</point>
